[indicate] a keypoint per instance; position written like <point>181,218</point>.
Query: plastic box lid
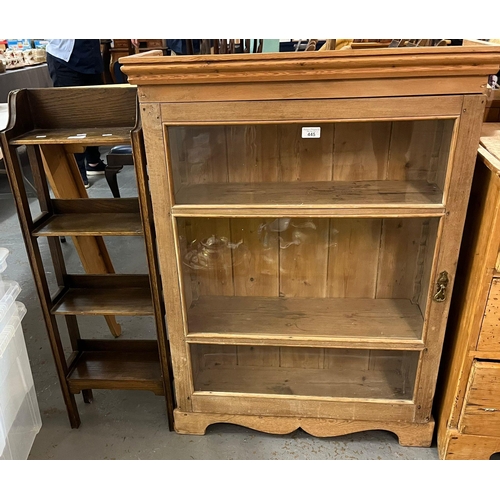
<point>3,259</point>
<point>18,309</point>
<point>9,291</point>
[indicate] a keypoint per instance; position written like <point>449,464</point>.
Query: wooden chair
<point>116,159</point>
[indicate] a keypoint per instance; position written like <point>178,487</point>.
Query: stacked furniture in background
<point>20,419</point>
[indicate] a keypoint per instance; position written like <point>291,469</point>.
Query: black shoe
<point>99,169</point>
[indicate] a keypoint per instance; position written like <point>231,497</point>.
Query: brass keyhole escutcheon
<point>442,284</point>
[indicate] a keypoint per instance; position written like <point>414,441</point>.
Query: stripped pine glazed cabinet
<point>308,211</point>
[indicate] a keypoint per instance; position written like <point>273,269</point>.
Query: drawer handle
<point>442,284</point>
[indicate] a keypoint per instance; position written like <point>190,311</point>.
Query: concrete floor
<point>132,424</point>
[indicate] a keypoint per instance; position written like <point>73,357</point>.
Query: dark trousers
<point>63,76</point>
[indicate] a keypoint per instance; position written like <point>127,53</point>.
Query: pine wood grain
<point>106,136</point>
<point>116,370</point>
<point>481,413</point>
<point>374,193</point>
<point>408,434</point>
<point>489,337</point>
<point>354,382</point>
<point>91,225</point>
<point>268,317</point>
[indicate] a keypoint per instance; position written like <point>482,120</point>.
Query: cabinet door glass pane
<point>335,373</point>
<point>312,277</point>
<point>400,162</point>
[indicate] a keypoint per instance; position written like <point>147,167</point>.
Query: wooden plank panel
<point>208,259</point>
<point>481,414</point>
<point>361,151</point>
<point>353,257</point>
<point>253,154</point>
<point>116,370</point>
<point>314,194</point>
<point>312,111</point>
<point>255,258</point>
<point>90,301</point>
<point>309,381</point>
<point>296,318</point>
<point>255,273</point>
<point>81,135</point>
<point>126,224</point>
<point>382,411</point>
<point>205,153</point>
<point>95,205</point>
<point>305,159</point>
<point>303,257</point>
<point>419,149</point>
<point>56,108</point>
<point>400,243</point>
<point>272,91</point>
<point>489,338</point>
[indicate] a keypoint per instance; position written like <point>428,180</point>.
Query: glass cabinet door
<point>311,277</point>
<point>374,163</point>
<point>273,304</point>
<point>316,372</point>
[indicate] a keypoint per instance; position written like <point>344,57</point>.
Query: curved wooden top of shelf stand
<point>151,68</point>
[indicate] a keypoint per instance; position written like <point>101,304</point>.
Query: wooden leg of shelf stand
<point>65,180</point>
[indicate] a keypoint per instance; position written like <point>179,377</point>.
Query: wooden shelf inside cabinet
<point>390,323</point>
<point>124,295</point>
<point>354,194</point>
<point>336,382</point>
<point>130,365</point>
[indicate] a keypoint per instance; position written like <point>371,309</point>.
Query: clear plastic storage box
<point>19,413</point>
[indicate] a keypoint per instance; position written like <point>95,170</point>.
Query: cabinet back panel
<point>360,151</point>
<point>295,257</point>
<point>304,371</point>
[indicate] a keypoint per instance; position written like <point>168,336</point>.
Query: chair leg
<point>111,179</point>
<point>88,397</point>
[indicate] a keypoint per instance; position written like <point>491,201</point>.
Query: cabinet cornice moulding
<point>150,68</point>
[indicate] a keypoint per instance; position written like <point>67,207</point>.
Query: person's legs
<point>95,166</point>
<point>62,76</point>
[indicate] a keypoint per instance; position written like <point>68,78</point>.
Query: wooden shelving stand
<point>53,124</point>
<point>308,210</point>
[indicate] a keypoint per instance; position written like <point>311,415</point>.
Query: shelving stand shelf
<point>308,211</point>
<point>53,124</point>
